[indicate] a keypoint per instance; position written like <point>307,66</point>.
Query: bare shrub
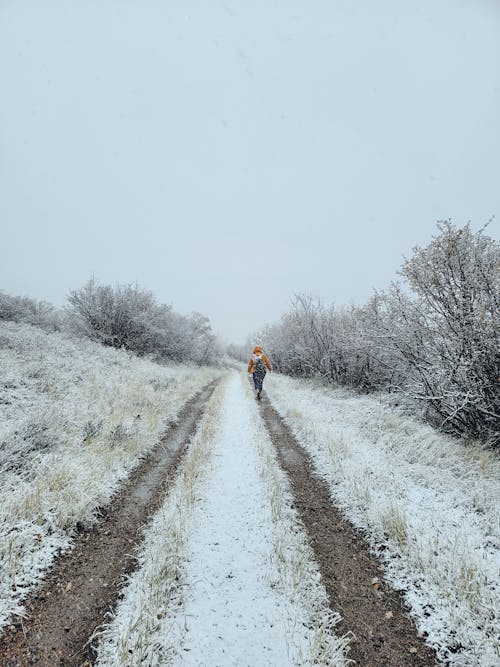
<point>128,316</point>
<point>434,337</point>
<point>448,331</point>
<point>338,344</point>
<point>31,311</point>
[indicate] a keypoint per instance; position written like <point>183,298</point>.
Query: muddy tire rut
<point>383,633</point>
<point>84,584</point>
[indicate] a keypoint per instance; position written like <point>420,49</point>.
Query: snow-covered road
<point>231,612</point>
<point>249,591</point>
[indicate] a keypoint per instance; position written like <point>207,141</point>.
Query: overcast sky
<point>226,154</point>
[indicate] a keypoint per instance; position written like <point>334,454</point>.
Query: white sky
<point>226,154</point>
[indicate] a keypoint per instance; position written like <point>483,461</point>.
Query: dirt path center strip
<point>384,636</point>
<point>85,583</point>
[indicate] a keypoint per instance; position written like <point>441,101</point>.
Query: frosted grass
<point>428,504</point>
<point>144,629</point>
<point>75,419</point>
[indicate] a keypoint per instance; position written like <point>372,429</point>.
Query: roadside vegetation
<point>85,392</point>
<point>433,338</point>
<point>76,418</point>
<point>427,504</point>
<point>120,316</point>
<point>145,629</point>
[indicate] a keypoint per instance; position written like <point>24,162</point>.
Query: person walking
<point>258,366</point>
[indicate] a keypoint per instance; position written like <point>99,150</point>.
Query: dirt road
<point>84,584</point>
<point>83,587</point>
<point>383,634</point>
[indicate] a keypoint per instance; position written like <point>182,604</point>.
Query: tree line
<point>121,316</point>
<point>433,336</point>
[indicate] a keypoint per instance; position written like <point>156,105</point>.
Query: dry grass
<point>142,631</point>
<point>78,417</point>
<point>428,504</point>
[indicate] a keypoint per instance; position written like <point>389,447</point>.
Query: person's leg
<point>258,384</point>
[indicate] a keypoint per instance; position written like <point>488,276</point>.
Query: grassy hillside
<point>75,418</point>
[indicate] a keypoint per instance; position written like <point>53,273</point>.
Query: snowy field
<point>75,418</point>
<point>428,505</point>
<point>227,576</point>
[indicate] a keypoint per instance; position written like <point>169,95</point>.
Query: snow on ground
<point>75,418</point>
<point>429,506</point>
<point>227,577</point>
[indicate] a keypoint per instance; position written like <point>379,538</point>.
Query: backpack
<point>259,365</point>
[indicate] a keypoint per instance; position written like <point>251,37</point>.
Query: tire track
<point>85,583</point>
<point>384,635</point>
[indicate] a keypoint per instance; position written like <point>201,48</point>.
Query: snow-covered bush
<point>25,309</point>
<point>435,337</point>
<point>339,344</point>
<point>449,331</point>
<point>128,316</point>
